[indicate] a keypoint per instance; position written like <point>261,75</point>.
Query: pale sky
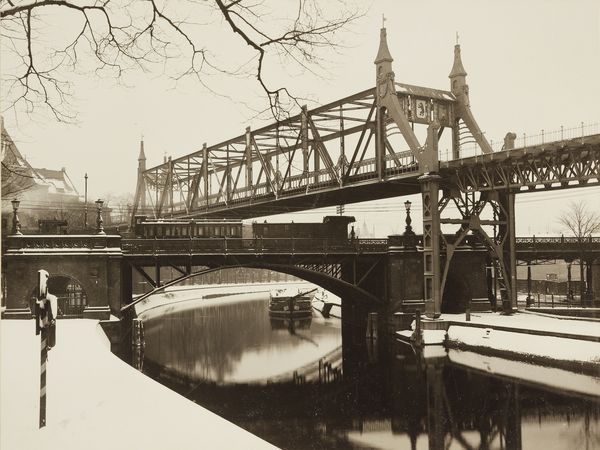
<point>531,65</point>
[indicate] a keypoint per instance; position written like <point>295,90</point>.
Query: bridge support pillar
<point>432,271</point>
<point>507,234</point>
<point>405,266</point>
<point>436,423</point>
<point>595,282</point>
<point>513,419</point>
<point>589,280</point>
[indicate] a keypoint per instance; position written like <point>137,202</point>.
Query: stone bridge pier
<point>466,285</point>
<point>92,263</point>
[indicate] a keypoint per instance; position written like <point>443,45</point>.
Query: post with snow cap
<point>45,326</point>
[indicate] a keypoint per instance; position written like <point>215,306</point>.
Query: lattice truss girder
<point>558,165</point>
<point>317,150</point>
<point>484,217</point>
<point>334,270</point>
<point>326,147</point>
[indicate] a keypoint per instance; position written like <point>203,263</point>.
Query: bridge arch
<point>71,293</point>
<point>336,286</point>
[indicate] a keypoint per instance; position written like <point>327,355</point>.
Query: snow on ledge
<point>550,347</point>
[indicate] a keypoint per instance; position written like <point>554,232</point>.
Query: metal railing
<point>249,246</point>
<point>530,140</point>
<point>268,245</point>
<point>559,242</point>
<point>60,241</point>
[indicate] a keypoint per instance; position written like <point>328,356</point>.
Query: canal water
<point>284,380</point>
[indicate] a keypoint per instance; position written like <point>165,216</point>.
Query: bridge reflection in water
<point>222,355</point>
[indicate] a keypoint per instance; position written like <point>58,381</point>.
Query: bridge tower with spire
<point>405,106</point>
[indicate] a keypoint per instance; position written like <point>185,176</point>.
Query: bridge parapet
<point>558,243</point>
<point>62,243</point>
<point>541,139</point>
<point>251,246</point>
<point>92,262</point>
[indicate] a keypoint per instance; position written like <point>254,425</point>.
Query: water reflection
<point>221,356</point>
<point>237,342</point>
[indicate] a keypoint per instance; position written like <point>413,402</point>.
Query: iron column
<point>85,211</point>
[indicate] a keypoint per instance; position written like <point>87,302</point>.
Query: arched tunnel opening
<point>72,298</point>
<point>457,295</point>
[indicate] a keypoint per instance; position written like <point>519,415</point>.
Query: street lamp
<point>99,227</point>
<point>408,231</point>
<point>16,225</point>
<point>85,217</point>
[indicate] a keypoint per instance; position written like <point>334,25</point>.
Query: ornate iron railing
<point>558,243</point>
<point>60,242</point>
<point>264,245</point>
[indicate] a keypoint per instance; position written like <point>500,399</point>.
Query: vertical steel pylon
<point>430,193</point>
<point>430,184</point>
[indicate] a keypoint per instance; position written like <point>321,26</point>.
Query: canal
<point>282,380</point>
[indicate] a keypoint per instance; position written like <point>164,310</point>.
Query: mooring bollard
<point>468,314</point>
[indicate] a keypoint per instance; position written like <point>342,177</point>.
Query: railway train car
<point>332,227</point>
<point>186,228</point>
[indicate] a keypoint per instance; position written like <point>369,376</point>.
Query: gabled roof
<point>57,180</point>
<point>19,176</point>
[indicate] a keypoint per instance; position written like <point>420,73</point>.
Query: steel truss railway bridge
<point>383,142</point>
<point>386,141</point>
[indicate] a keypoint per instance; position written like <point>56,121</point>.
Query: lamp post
<point>16,225</point>
<point>408,231</point>
<point>99,227</point>
<point>85,211</point>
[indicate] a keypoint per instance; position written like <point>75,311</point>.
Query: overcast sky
<point>531,65</point>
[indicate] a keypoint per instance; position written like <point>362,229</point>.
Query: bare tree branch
<point>581,223</point>
<point>112,37</point>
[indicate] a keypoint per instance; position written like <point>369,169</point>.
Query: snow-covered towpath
<point>95,400</point>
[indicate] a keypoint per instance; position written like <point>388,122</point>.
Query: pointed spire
<point>142,156</point>
<point>457,67</point>
<point>383,54</point>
